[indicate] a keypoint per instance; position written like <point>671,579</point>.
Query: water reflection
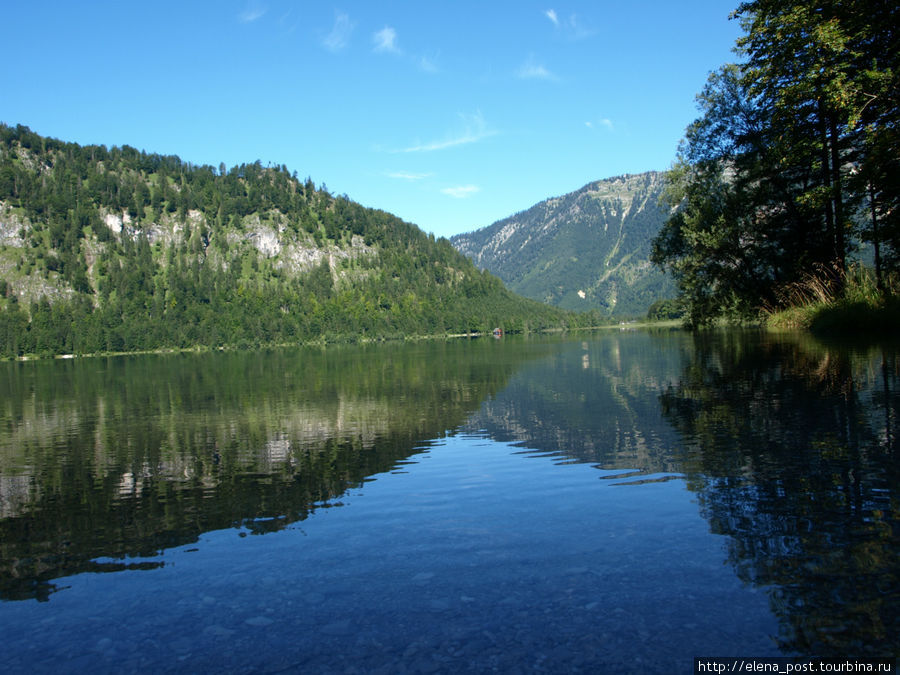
<point>594,401</point>
<point>788,446</point>
<point>103,459</point>
<point>791,447</point>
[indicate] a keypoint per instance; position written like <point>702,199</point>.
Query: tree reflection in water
<point>791,447</point>
<point>108,459</point>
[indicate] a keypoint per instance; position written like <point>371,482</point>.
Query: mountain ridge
<point>587,249</point>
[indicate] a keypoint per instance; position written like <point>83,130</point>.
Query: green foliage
<point>794,158</point>
<point>666,310</point>
<point>206,257</point>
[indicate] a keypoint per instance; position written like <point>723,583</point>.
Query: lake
<point>621,501</point>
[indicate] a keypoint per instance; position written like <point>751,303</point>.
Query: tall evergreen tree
<point>791,142</point>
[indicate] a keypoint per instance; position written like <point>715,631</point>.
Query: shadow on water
<point>106,459</point>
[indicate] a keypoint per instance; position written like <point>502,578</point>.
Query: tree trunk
<point>878,282</point>
<point>826,182</point>
<point>840,244</point>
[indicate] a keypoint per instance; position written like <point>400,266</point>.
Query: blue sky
<point>449,114</point>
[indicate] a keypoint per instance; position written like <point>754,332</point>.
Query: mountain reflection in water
<point>107,458</point>
<point>787,446</point>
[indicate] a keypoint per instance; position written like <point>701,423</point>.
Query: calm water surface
<point>618,503</point>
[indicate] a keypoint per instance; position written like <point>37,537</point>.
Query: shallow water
<point>622,503</point>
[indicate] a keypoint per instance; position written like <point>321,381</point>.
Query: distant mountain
<point>589,249</point>
<point>114,249</point>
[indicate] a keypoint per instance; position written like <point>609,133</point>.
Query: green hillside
<point>589,249</point>
<point>121,250</point>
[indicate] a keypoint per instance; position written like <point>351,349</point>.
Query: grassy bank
<point>852,305</point>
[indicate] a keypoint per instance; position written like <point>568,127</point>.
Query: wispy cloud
<point>404,175</point>
<point>339,37</point>
<point>461,191</point>
<point>427,64</point>
<point>287,21</point>
<point>604,122</point>
<point>474,129</point>
<point>385,40</point>
<point>571,28</point>
<point>252,12</point>
<point>532,70</point>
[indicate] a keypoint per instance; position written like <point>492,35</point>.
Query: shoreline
<point>624,325</point>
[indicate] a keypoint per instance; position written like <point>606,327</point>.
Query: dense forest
<point>111,250</point>
<point>794,161</point>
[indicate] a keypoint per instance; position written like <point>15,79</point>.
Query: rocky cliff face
<point>283,248</point>
<point>589,249</point>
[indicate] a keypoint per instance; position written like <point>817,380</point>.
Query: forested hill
<point>121,250</point>
<point>589,249</point>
